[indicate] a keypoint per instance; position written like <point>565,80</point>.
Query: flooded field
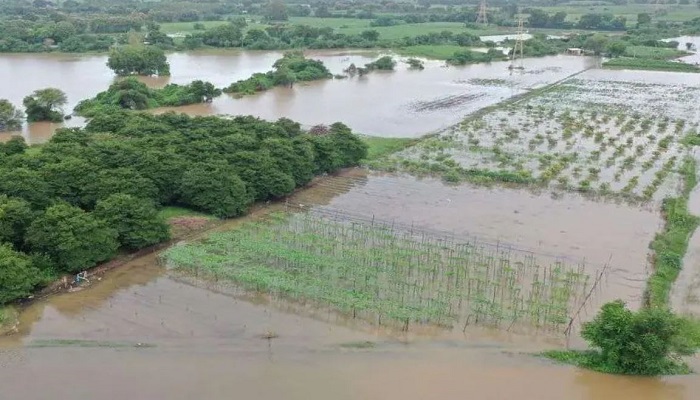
<point>399,104</point>
<point>609,135</point>
<point>159,335</point>
<point>568,227</point>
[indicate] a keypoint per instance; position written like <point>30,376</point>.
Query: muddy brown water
<point>197,344</point>
<point>163,337</point>
<point>381,103</point>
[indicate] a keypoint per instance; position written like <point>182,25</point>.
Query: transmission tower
<point>518,46</point>
<point>482,17</point>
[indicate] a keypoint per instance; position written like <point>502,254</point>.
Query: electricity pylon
<point>482,17</point>
<point>519,44</point>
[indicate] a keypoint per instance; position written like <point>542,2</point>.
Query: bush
<point>17,274</point>
<point>136,220</point>
<point>647,342</point>
<point>216,189</point>
<point>385,63</point>
<point>71,238</point>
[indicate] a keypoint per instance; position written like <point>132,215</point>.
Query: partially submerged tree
<point>10,117</point>
<point>415,63</point>
<point>45,105</point>
<point>138,60</point>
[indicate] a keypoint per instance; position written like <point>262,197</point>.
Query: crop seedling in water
<point>387,274</point>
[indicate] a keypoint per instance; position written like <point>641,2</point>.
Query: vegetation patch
<point>8,319</point>
<point>650,341</point>
<point>378,147</point>
<point>91,192</point>
<point>650,64</point>
<point>130,94</point>
<point>291,68</point>
<point>388,274</point>
<point>672,243</point>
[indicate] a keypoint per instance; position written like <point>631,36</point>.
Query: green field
<point>656,53</point>
<point>673,12</point>
<point>381,146</point>
<point>347,26</point>
<point>172,212</point>
<point>650,64</point>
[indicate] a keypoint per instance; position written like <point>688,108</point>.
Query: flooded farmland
<point>153,332</point>
<point>141,318</point>
<point>403,103</point>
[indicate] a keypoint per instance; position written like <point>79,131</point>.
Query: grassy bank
<point>8,319</point>
<point>656,53</point>
<point>649,64</point>
<point>671,244</point>
<point>381,146</point>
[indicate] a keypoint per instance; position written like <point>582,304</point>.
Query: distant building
<point>575,51</point>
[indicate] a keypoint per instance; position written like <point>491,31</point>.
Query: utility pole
<point>482,17</point>
<point>518,46</point>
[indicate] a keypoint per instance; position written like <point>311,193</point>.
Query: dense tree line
<point>138,60</point>
<point>90,192</point>
<point>130,94</point>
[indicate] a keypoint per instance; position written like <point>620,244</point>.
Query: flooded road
<point>399,104</point>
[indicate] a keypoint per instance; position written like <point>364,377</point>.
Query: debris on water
<point>269,335</point>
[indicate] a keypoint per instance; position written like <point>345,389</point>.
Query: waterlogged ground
<point>568,227</point>
<point>400,103</point>
<point>142,334</point>
<point>590,134</point>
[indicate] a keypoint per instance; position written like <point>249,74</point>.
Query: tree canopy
<point>138,60</point>
<point>90,191</point>
<point>10,117</point>
<point>45,105</point>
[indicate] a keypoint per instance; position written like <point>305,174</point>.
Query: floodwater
<point>142,334</point>
<point>381,103</point>
<point>694,58</point>
<point>565,227</point>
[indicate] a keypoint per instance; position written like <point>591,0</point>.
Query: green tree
<point>643,19</point>
<point>214,188</point>
<point>10,117</point>
<point>45,105</point>
<point>16,145</point>
<point>370,35</point>
<point>71,238</point>
<point>17,274</point>
<point>615,48</point>
<point>15,217</point>
<point>276,11</point>
<point>69,179</point>
<point>646,342</point>
<point>138,60</point>
<point>120,180</point>
<point>26,184</point>
<point>596,43</point>
<point>204,91</point>
<point>136,220</point>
